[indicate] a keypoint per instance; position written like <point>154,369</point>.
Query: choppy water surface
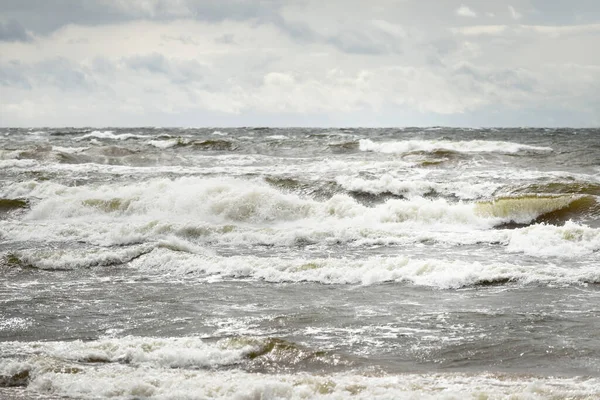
<point>299,263</point>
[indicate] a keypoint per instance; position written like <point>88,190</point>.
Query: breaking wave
<point>535,208</point>
<point>208,144</point>
<point>440,146</point>
<point>108,135</point>
<point>233,200</point>
<point>241,212</point>
<point>439,274</point>
<point>134,367</point>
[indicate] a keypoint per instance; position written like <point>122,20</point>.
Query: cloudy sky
<point>299,62</point>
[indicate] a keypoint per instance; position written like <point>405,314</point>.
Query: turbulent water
<point>299,263</point>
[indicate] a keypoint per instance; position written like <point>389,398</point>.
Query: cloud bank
<point>299,62</point>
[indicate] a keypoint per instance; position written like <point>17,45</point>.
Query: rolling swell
<point>565,187</point>
<point>324,190</point>
<point>7,205</point>
<point>213,144</point>
<point>344,147</point>
<point>447,147</point>
<point>532,209</point>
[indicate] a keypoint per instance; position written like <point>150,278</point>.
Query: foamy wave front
<point>436,273</point>
<point>108,135</point>
<point>239,212</point>
<point>115,380</point>
<point>222,200</point>
<point>430,146</point>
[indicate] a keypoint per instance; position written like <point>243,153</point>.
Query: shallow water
<point>299,263</point>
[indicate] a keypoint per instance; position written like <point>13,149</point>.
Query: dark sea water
<point>256,263</point>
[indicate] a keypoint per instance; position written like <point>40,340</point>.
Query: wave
<point>441,147</point>
<point>535,209</point>
<point>415,187</point>
<point>438,274</point>
<point>344,147</point>
<point>213,144</point>
<point>257,213</point>
<point>72,259</point>
<point>165,144</point>
<point>208,144</point>
<point>108,135</point>
<point>178,368</point>
<point>190,353</point>
<point>70,150</point>
<point>568,241</point>
<point>574,187</point>
<point>7,205</point>
<point>157,352</point>
<point>69,132</point>
<point>387,184</point>
<point>112,155</point>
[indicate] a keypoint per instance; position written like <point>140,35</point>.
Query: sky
<point>300,63</point>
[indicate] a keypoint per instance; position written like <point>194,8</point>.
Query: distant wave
<point>108,135</point>
<point>437,146</point>
<point>208,144</point>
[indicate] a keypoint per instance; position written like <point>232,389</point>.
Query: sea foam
<point>474,146</point>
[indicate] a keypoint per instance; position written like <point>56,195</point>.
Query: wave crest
<point>442,147</point>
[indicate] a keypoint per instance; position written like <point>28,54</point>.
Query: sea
<point>300,263</point>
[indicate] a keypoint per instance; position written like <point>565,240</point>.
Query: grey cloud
<point>13,31</point>
<point>359,39</point>
<point>226,39</point>
<point>516,80</point>
<point>64,74</point>
<point>558,12</point>
<point>155,63</point>
<point>12,74</point>
<point>177,71</point>
<point>357,42</point>
<point>188,40</point>
<point>44,16</point>
<point>57,72</point>
<point>102,65</point>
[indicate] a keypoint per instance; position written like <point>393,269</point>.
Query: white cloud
<point>465,11</point>
<point>556,31</point>
<point>477,30</point>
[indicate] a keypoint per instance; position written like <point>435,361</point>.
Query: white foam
<point>70,150</point>
<point>569,241</point>
<point>6,164</point>
<point>164,144</point>
<point>67,259</point>
<point>437,273</point>
<point>473,146</point>
<point>240,212</point>
<point>387,184</point>
<point>175,352</point>
<point>223,200</point>
<point>188,368</point>
<point>122,381</point>
<point>14,323</point>
<point>108,135</point>
<point>415,186</point>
